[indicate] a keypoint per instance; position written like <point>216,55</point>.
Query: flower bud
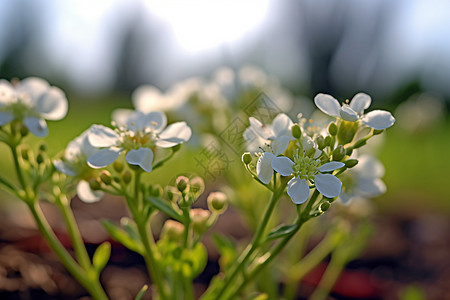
<point>43,147</point>
<point>327,141</point>
<point>360,143</point>
<point>377,131</point>
<point>217,202</point>
<point>176,148</point>
<point>332,129</point>
<point>95,184</point>
<point>182,183</point>
<point>105,177</point>
<point>197,186</point>
<point>349,151</point>
<point>172,230</point>
<point>40,158</point>
<point>173,194</point>
<point>339,153</point>
<point>325,206</point>
<point>246,158</point>
<point>199,219</point>
<point>296,131</point>
<point>350,163</point>
<point>320,141</point>
<point>23,130</point>
<point>118,166</point>
<point>126,177</point>
<point>25,153</point>
<point>155,190</point>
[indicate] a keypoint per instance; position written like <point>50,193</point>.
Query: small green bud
<point>43,147</point>
<point>117,179</point>
<point>311,152</point>
<point>339,153</point>
<point>377,131</point>
<point>173,194</point>
<point>325,206</point>
<point>349,151</point>
<point>118,166</point>
<point>197,186</point>
<point>95,184</point>
<point>40,158</point>
<point>199,219</point>
<point>182,183</point>
<point>126,177</point>
<point>25,154</point>
<point>246,158</point>
<point>350,163</point>
<point>320,141</point>
<point>23,130</point>
<point>332,128</point>
<point>327,141</point>
<point>296,131</point>
<point>105,177</point>
<point>172,230</point>
<point>155,190</point>
<point>217,202</point>
<point>360,143</point>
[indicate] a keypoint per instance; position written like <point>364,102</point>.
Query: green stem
<point>74,233</point>
<point>9,186</point>
<point>245,256</point>
<point>329,278</point>
<point>92,284</point>
<point>304,217</point>
<point>18,168</point>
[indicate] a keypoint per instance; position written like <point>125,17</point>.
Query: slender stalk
<point>244,257</point>
<point>74,233</point>
<point>278,248</point>
<point>91,283</point>
<point>329,278</point>
<point>17,167</point>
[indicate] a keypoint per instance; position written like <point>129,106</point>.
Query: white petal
<point>101,136</point>
<point>254,142</point>
<point>120,116</point>
<point>103,157</point>
<point>307,143</point>
<point>371,187</point>
<point>328,185</point>
<point>156,120</point>
<point>369,166</point>
<point>317,153</point>
<point>282,165</point>
<point>298,190</point>
<point>264,167</point>
<point>5,118</point>
<point>142,157</point>
<point>378,119</point>
<point>64,168</point>
<point>348,114</point>
<point>327,104</point>
<point>148,98</point>
<point>174,134</point>
<point>36,126</point>
<point>260,129</point>
<point>52,105</point>
<point>346,198</point>
<point>32,88</point>
<point>331,166</point>
<point>280,144</point>
<point>86,194</point>
<point>360,102</point>
<point>281,125</point>
<point>7,93</point>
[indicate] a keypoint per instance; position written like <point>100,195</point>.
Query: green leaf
<point>141,292</point>
<point>101,256</point>
<point>281,231</point>
<point>121,236</point>
<point>166,207</point>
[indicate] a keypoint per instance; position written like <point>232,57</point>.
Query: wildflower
<point>137,135</point>
<point>74,163</point>
<point>275,136</point>
<point>305,168</point>
<point>33,101</point>
<point>363,180</point>
<point>354,111</point>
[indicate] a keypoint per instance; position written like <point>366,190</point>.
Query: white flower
<point>139,133</point>
<point>276,137</point>
<point>32,101</point>
<point>363,180</point>
<point>304,169</point>
<point>377,119</point>
<point>74,163</point>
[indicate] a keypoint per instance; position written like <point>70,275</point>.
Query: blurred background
<point>100,51</point>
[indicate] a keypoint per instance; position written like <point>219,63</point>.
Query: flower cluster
<point>317,157</point>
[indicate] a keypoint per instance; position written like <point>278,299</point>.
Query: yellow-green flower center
<point>305,167</point>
